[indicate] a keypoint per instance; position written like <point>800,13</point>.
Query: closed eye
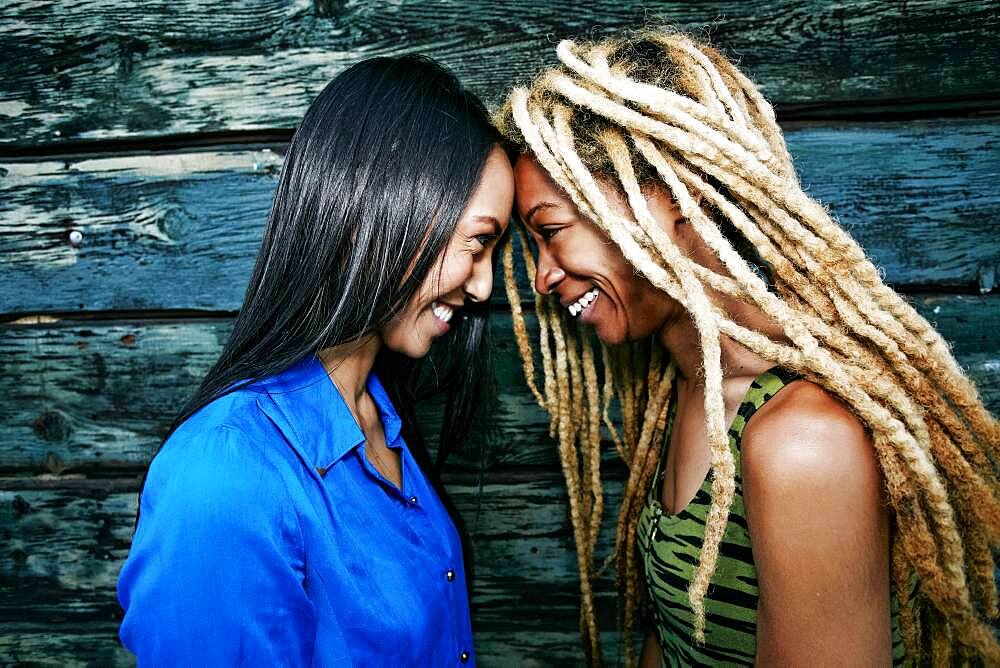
<point>485,240</point>
<point>547,233</point>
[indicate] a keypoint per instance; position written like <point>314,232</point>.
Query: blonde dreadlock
<point>664,109</point>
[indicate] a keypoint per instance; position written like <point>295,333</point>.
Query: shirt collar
<point>307,408</point>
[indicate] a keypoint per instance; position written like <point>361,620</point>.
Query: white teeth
<point>443,311</point>
<point>583,302</point>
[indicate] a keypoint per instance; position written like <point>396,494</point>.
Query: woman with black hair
<point>293,515</point>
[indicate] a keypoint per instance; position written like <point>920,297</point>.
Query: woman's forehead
<point>535,190</point>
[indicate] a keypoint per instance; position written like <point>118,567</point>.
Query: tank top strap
<point>658,475</point>
<point>761,390</point>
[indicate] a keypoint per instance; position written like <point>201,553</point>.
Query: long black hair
<point>373,183</point>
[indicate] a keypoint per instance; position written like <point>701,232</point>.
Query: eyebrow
<point>492,221</point>
<point>535,209</point>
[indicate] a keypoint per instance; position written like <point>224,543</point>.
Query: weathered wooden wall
<point>139,144</point>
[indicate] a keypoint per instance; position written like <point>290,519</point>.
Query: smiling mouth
<point>442,312</point>
<point>588,298</point>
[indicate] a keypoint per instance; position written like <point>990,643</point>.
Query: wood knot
<point>51,426</point>
<point>19,556</point>
<point>21,507</point>
<point>326,9</point>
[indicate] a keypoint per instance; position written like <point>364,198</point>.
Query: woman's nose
<point>480,283</point>
<point>547,274</point>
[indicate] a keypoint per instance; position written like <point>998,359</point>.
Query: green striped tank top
<point>670,546</point>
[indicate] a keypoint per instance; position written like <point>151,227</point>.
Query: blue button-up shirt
<point>266,538</point>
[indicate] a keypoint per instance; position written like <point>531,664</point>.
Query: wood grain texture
<point>62,550</point>
<point>63,646</point>
<point>157,231</point>
<point>106,68</point>
<point>100,395</point>
<point>97,396</point>
<point>85,402</point>
<point>181,230</point>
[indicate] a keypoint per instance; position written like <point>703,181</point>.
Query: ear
<point>664,209</point>
<point>665,192</point>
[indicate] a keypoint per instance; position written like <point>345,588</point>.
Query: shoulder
<point>214,493</point>
<point>231,431</point>
<point>220,467</point>
<point>818,528</point>
<point>812,491</point>
<point>811,480</point>
<point>211,470</point>
<point>806,441</point>
<point>218,534</point>
<point>238,411</point>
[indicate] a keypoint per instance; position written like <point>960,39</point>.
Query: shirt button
<point>413,500</point>
<point>450,575</point>
<point>463,657</point>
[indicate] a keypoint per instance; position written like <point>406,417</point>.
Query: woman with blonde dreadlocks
<point>812,478</point>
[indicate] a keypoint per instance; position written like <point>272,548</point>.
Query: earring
<point>763,273</point>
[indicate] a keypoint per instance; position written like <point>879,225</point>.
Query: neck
<point>681,340</point>
<point>349,365</point>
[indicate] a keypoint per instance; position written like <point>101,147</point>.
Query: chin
<point>612,337</point>
<point>413,350</point>
<point>411,347</point>
<point>618,332</point>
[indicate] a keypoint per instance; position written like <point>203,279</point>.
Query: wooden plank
<point>79,401</point>
<point>68,646</point>
<point>542,648</point>
<point>58,560</point>
<point>105,68</point>
<point>180,231</point>
<point>98,395</point>
<point>63,550</point>
<point>62,648</point>
<point>187,226</point>
<point>931,177</point>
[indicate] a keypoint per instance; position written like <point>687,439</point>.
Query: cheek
<point>406,326</point>
<point>407,335</point>
<point>587,253</point>
<point>455,271</point>
<point>642,309</point>
<point>448,273</point>
<point>427,292</point>
<point>651,310</point>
